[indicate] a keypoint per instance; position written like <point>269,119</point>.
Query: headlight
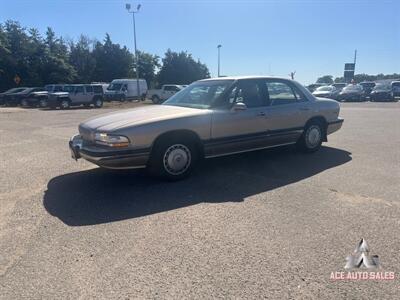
<point>116,141</point>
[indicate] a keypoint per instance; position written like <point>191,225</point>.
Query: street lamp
<point>133,12</point>
<point>219,56</point>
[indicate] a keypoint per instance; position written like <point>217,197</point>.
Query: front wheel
<point>43,103</point>
<point>173,159</point>
<point>311,139</point>
<point>24,103</point>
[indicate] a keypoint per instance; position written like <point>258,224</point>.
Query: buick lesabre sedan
<point>209,118</point>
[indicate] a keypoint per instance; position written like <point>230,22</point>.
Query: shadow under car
<point>99,196</point>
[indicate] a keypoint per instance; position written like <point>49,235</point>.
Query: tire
<point>43,102</point>
<point>122,98</point>
<point>155,99</point>
<point>312,137</point>
<point>24,103</point>
<point>65,104</point>
<point>98,102</point>
<point>173,159</point>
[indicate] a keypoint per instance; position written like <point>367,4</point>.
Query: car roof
<point>244,77</point>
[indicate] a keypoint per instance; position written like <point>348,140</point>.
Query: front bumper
<point>108,158</point>
<point>334,126</point>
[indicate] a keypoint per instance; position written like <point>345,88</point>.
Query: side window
<point>58,88</point>
<point>167,88</point>
<point>89,89</point>
<point>249,92</point>
<point>98,89</point>
<point>280,93</point>
<point>175,89</point>
<point>79,89</point>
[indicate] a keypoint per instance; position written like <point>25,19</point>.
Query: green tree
<point>148,63</point>
<point>181,68</point>
<point>328,79</point>
<point>82,59</point>
<point>112,61</point>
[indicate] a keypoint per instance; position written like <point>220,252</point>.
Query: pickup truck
<point>160,95</point>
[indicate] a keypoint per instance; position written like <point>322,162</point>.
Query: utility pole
<point>133,12</point>
<point>219,59</point>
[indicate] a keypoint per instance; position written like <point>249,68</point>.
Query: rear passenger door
<point>288,110</point>
<point>89,94</point>
<point>78,95</point>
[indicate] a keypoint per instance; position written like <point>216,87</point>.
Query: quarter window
<point>79,89</point>
<point>89,89</point>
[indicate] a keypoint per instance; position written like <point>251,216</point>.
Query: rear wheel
<point>311,139</point>
<point>98,102</point>
<point>65,104</point>
<point>173,159</point>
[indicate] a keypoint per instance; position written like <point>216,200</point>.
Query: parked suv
<point>368,86</point>
<point>76,95</point>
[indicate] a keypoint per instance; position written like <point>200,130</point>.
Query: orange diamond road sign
<point>17,79</point>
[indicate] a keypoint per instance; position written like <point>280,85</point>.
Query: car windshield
<point>26,91</point>
<point>382,87</point>
<point>353,87</point>
<point>114,87</point>
<point>324,89</point>
<point>397,84</point>
<point>15,90</point>
<point>201,94</point>
<point>368,84</point>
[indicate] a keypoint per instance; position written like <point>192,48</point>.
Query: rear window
<point>89,89</point>
<point>97,89</point>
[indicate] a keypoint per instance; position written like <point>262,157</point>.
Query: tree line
<point>39,60</point>
<point>328,79</point>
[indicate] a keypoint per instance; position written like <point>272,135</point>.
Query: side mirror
<point>238,106</point>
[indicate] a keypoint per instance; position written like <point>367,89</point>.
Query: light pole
<point>219,58</point>
<point>133,12</point>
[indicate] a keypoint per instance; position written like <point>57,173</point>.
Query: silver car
<point>209,118</point>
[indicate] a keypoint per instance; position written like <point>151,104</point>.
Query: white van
<point>126,89</point>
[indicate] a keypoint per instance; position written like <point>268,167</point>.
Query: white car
<point>166,91</point>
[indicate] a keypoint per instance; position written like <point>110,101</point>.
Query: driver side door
<point>236,129</point>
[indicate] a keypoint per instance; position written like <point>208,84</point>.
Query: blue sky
<point>313,38</point>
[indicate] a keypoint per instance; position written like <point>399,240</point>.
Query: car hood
<point>350,92</point>
<point>140,116</point>
<point>40,93</point>
<point>381,91</point>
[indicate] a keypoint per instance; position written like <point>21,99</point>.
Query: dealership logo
<point>361,265</point>
<point>361,258</point>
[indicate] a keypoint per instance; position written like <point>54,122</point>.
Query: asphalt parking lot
<point>268,224</point>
